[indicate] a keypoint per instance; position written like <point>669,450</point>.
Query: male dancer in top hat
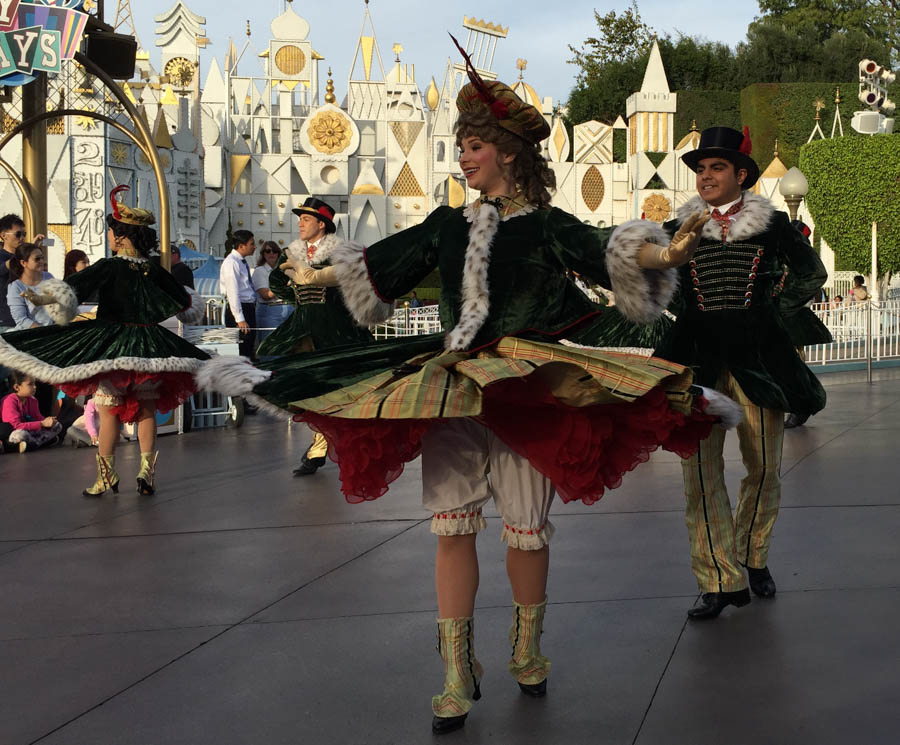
<point>730,330</point>
<point>320,318</point>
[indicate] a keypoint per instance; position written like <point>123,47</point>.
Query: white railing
<point>410,322</point>
<point>866,331</point>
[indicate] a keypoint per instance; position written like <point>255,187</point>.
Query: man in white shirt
<point>236,286</point>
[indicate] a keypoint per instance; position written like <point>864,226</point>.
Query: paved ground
<point>243,606</point>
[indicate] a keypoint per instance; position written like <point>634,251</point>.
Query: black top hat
<point>727,143</point>
<point>318,209</point>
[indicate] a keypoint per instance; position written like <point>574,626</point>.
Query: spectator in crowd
<point>27,272</point>
<point>76,261</point>
<point>85,430</point>
<point>271,311</point>
<point>838,299</point>
<point>20,409</point>
<point>414,301</point>
<point>181,271</point>
<point>859,292</point>
<point>235,284</point>
<point>12,235</point>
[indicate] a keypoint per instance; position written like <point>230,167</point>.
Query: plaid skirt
<point>581,416</point>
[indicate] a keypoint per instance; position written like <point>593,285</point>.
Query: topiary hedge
<point>787,111</point>
<point>854,181</point>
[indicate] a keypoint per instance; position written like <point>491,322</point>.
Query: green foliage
<point>621,38</point>
<point>708,109</point>
<point>786,111</point>
<point>853,181</point>
<point>620,146</point>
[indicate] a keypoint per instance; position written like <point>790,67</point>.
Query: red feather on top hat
<point>747,145</point>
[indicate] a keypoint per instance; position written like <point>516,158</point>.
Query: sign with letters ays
<point>37,36</point>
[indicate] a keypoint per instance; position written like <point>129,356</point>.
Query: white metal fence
<point>410,322</point>
<point>863,332</point>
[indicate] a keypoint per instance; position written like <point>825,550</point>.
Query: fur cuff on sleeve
<point>194,313</point>
<point>349,262</point>
<point>64,305</point>
<point>641,294</point>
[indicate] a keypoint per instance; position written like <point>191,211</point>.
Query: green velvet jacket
<point>320,318</point>
<point>732,309</point>
<point>513,282</point>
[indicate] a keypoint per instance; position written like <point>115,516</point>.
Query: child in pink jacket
<point>20,409</point>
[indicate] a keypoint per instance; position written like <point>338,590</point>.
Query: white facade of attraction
<point>264,132</point>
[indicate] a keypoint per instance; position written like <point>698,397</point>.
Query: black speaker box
<point>113,53</point>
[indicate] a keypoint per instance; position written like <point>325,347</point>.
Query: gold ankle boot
<point>527,665</point>
<point>462,674</point>
<point>147,473</point>
<point>107,478</point>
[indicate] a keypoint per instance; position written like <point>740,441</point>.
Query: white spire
<point>655,80</point>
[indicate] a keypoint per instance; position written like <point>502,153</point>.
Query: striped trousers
<point>720,542</point>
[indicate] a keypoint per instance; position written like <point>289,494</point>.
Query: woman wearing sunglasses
<point>271,311</point>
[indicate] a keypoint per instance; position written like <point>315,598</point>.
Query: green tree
<point>621,38</point>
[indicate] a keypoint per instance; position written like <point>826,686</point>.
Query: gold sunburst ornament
<point>86,122</point>
<point>180,71</point>
<point>657,208</point>
<point>329,132</point>
<point>119,154</point>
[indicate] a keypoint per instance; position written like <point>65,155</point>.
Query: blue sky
<point>538,31</point>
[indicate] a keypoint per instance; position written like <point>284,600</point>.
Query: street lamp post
<point>793,188</point>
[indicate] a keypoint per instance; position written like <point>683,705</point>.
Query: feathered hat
<point>129,215</point>
<point>510,111</point>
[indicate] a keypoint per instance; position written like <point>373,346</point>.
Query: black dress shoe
<point>712,603</point>
<point>761,582</point>
<point>795,420</point>
<point>536,690</point>
<point>443,725</point>
<point>308,466</point>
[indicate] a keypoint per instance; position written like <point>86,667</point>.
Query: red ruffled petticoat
<point>174,389</point>
<point>582,450</point>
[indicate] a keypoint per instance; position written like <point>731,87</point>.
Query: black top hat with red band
<point>727,143</point>
<point>318,209</point>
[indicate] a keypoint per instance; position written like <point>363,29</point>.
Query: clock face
<point>180,70</point>
<point>290,60</point>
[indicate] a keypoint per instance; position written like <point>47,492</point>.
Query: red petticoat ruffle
<point>173,390</point>
<point>582,450</point>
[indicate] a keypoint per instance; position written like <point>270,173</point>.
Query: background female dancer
<point>124,358</point>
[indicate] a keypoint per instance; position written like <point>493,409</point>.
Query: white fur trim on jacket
<point>475,298</point>
<point>64,305</point>
<point>195,312</point>
<point>230,376</point>
<point>236,376</point>
<point>753,219</point>
<point>44,371</point>
<point>349,262</point>
<point>729,412</point>
<point>641,294</point>
<point>296,251</point>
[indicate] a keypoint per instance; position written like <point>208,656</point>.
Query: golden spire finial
<point>776,147</point>
<point>396,49</point>
<point>329,89</point>
<point>819,104</point>
<point>694,126</point>
<point>248,28</point>
<point>521,64</point>
<point>837,95</point>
